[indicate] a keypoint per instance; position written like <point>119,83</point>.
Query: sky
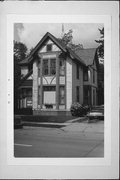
<point>31,34</point>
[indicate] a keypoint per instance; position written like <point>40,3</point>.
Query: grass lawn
<point>56,119</point>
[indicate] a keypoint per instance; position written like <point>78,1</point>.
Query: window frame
<point>49,67</point>
<point>52,67</point>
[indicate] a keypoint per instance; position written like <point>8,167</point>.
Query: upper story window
<point>49,47</point>
<point>52,66</point>
<point>85,75</point>
<point>45,67</point>
<point>93,75</point>
<point>39,68</point>
<point>77,71</point>
<point>49,67</point>
<point>62,67</point>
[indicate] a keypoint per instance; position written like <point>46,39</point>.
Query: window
<point>85,75</point>
<point>49,88</point>
<point>39,89</point>
<point>62,67</point>
<point>49,67</point>
<point>29,92</point>
<point>49,47</point>
<point>45,67</point>
<point>62,95</point>
<point>77,94</point>
<point>39,64</point>
<point>52,66</point>
<point>86,94</point>
<point>93,76</point>
<point>77,71</point>
<point>93,96</point>
<point>30,67</point>
<point>49,96</point>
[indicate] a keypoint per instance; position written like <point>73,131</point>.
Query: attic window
<point>49,47</point>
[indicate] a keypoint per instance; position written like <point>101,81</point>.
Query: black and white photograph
<point>58,90</point>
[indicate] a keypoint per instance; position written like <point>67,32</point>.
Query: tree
<point>67,41</point>
<point>67,37</point>
<point>101,43</point>
<point>20,52</point>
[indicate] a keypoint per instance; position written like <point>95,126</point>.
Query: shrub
<point>86,108</point>
<point>79,110</point>
<point>76,109</point>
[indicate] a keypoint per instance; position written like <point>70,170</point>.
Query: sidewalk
<point>53,124</point>
<point>75,125</point>
<point>95,127</point>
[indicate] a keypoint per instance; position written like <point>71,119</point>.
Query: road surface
<point>58,142</point>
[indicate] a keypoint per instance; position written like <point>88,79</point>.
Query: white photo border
<point>106,20</point>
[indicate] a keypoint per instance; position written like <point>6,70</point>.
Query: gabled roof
<point>87,55</point>
<point>25,78</point>
<point>62,46</point>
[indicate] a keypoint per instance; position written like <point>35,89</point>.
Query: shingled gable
<point>87,55</point>
<point>63,47</point>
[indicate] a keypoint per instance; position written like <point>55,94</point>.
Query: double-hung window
<point>45,67</point>
<point>52,66</point>
<point>49,67</point>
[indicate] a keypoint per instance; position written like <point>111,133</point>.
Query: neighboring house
<point>101,83</point>
<point>54,76</point>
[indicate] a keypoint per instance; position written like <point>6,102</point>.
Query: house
<point>55,76</point>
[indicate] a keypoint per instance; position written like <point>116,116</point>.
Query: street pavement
<point>75,139</point>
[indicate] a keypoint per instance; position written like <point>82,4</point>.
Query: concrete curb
<point>50,124</point>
